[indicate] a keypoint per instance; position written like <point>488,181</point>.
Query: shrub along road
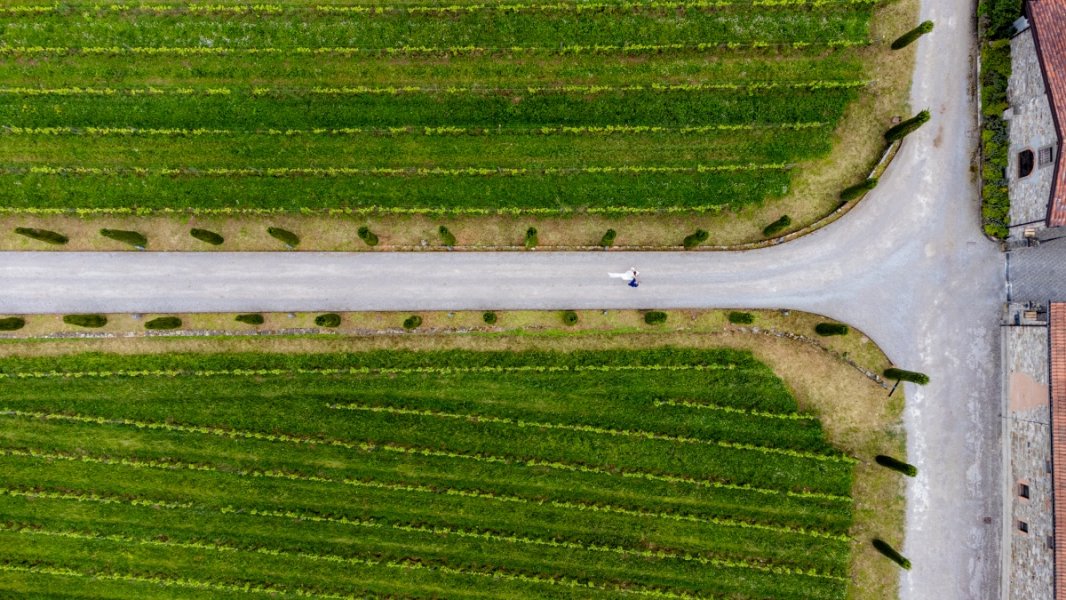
<point>908,266</point>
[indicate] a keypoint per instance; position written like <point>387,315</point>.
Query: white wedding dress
<point>629,275</point>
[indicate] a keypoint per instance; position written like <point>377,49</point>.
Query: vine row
<point>455,9</point>
<point>627,433</point>
<point>179,582</point>
<point>751,87</point>
<point>176,464</point>
<point>409,564</point>
<point>414,51</point>
<point>734,410</point>
<point>440,530</point>
<point>443,131</point>
<point>573,467</point>
<point>367,210</point>
<point>332,172</point>
<point>365,371</point>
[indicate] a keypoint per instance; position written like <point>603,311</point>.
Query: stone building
<point>1029,530</point>
<point>1037,96</point>
<point>1034,408</point>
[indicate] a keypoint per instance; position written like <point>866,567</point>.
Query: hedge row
<point>741,318</point>
<point>904,375</point>
<point>908,38</point>
<point>92,321</point>
<point>858,190</point>
<point>828,329</point>
<point>777,226</point>
<point>43,235</point>
<point>995,137</point>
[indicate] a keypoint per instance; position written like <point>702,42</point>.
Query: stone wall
<point>1031,128</point>
<point>1030,560</point>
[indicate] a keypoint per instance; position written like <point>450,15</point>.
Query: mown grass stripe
<point>171,373</point>
<point>188,51</point>
<point>750,87</point>
<point>265,9</point>
<point>370,210</point>
<point>584,428</point>
<point>240,434</point>
<point>415,130</point>
<point>334,172</point>
<point>410,564</point>
<point>181,582</point>
<point>375,523</point>
<point>176,464</point>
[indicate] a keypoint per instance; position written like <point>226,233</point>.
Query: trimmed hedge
<point>908,38</point>
<point>12,323</point>
<point>1000,16</point>
<point>133,238</point>
<point>163,323</point>
<point>369,237</point>
<point>608,238</point>
<point>828,329</point>
<point>446,236</point>
<point>85,320</point>
<point>412,322</point>
<point>284,236</point>
<point>488,317</point>
<point>904,375</point>
<point>569,318</point>
<point>777,226</point>
<point>883,547</point>
<point>207,236</point>
<point>251,319</point>
<point>328,320</point>
<point>858,190</point>
<point>43,235</point>
<point>907,127</point>
<point>995,136</point>
<point>654,317</point>
<point>897,465</point>
<point>532,241</point>
<point>695,239</point>
<point>741,318</point>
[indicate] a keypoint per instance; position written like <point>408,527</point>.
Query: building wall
<point>1031,128</point>
<point>1031,557</point>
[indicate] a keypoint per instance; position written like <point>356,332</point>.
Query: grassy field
<point>662,473</point>
<point>611,107</point>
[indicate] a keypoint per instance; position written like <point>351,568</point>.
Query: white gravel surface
<point>908,266</point>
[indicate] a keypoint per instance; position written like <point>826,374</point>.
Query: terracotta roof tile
<point>1057,327</point>
<point>1048,18</point>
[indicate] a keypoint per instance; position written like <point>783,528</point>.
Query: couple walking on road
<point>630,276</point>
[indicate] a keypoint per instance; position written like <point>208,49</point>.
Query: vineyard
<point>661,473</point>
<point>413,105</point>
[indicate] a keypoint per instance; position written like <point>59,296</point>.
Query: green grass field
<point>659,473</point>
<point>607,106</point>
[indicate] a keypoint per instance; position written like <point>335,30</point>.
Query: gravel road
<point>908,266</point>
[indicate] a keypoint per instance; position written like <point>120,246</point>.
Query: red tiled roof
<point>1057,327</point>
<point>1048,18</point>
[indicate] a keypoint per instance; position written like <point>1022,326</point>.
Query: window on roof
<point>1046,156</point>
<point>1025,163</point>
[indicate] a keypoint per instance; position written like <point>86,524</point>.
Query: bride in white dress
<point>628,276</point>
